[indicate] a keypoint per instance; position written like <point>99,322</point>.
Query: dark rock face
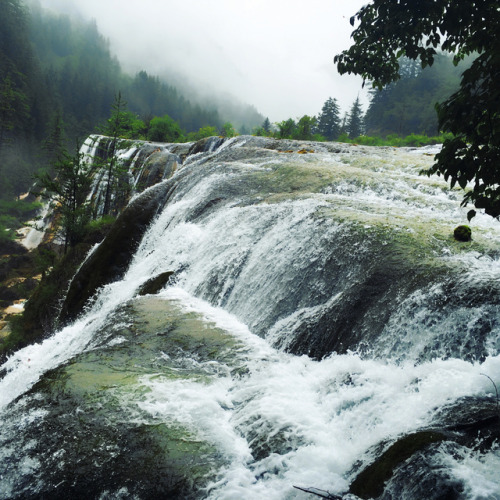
<point>111,258</point>
<point>369,297</point>
<point>148,164</point>
<point>406,468</point>
<point>361,314</point>
<point>206,145</point>
<point>154,285</point>
<point>9,247</point>
<point>159,166</point>
<point>370,482</point>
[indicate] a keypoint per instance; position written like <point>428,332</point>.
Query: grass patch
<point>394,140</point>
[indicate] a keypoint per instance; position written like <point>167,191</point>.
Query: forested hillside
<point>408,105</point>
<point>58,77</point>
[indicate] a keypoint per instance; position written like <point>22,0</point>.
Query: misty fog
<point>275,55</point>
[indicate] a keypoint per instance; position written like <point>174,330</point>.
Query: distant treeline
<point>402,109</point>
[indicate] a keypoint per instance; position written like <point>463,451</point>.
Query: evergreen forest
<point>58,81</point>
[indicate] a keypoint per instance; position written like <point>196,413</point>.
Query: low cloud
<point>274,54</point>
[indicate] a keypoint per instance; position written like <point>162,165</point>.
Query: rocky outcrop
<point>405,469</point>
<point>109,261</point>
<point>154,285</point>
<point>159,165</point>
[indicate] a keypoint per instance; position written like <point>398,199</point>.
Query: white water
<point>37,231</point>
<point>330,411</point>
<point>317,418</point>
<point>128,157</point>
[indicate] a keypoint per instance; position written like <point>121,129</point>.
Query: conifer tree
<point>14,108</point>
<point>329,120</point>
<point>355,120</point>
<point>114,129</point>
<point>68,190</point>
<point>266,125</point>
<point>53,145</point>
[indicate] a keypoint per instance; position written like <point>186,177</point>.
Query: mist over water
<point>319,310</point>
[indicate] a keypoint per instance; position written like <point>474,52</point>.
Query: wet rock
<point>111,258</point>
<point>370,482</point>
<point>406,470</point>
<point>474,421</point>
<point>205,207</point>
<point>462,233</point>
<point>159,166</point>
<point>154,285</point>
<point>206,145</point>
<point>421,477</point>
<point>366,305</point>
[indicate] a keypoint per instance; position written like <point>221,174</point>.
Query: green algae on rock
<point>462,233</point>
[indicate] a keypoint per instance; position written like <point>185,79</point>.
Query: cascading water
<point>138,165</point>
<point>319,312</point>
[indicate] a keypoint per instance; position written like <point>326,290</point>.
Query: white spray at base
<point>330,411</point>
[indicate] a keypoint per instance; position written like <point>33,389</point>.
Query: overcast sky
<point>274,54</point>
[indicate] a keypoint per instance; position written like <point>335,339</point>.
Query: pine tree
<point>114,129</point>
<point>329,120</point>
<point>266,125</point>
<point>68,191</point>
<point>53,145</point>
<point>14,108</point>
<point>343,124</point>
<point>408,105</point>
<point>355,120</point>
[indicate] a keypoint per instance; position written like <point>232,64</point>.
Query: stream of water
<point>319,310</point>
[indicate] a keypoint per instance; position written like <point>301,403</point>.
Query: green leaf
<point>471,214</point>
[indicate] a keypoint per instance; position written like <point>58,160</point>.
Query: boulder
<point>462,233</point>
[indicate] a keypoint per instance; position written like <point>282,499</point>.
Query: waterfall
<point>319,312</point>
<point>139,164</point>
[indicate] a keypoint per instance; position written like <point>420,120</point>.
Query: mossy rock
<point>370,482</point>
<point>462,233</point>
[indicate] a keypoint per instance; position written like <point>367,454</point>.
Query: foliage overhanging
<point>418,29</point>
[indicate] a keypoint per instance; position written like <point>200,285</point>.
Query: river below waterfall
<point>319,311</point>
